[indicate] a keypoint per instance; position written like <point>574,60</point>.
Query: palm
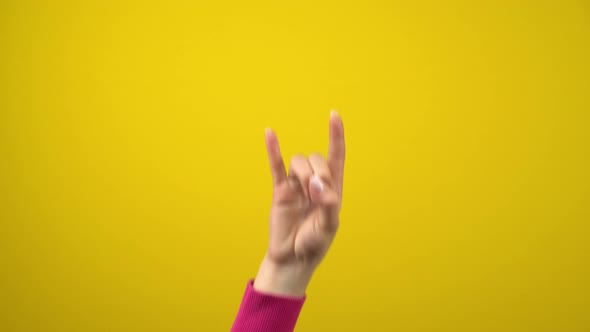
<point>294,225</point>
<point>304,218</point>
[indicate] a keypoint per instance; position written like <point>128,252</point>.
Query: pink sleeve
<point>267,313</point>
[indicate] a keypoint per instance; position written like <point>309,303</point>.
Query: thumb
<point>327,199</point>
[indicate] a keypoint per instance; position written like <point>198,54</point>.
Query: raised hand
<point>304,215</point>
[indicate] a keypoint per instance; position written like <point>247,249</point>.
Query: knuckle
<point>297,157</point>
<point>316,155</point>
<point>326,179</point>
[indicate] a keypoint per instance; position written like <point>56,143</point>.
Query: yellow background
<point>134,188</point>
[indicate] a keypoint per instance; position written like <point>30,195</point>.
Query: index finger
<point>336,150</point>
<point>277,166</point>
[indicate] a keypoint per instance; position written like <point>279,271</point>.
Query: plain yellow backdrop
<point>134,187</point>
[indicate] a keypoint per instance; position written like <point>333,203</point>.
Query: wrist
<point>288,279</point>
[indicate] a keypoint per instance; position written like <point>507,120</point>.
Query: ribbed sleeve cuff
<point>261,312</point>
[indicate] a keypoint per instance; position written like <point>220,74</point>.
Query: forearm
<point>289,279</point>
<point>263,312</point>
<point>273,300</point>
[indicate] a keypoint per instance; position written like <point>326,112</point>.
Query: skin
<point>304,215</point>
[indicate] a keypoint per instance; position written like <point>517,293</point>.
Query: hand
<point>304,215</point>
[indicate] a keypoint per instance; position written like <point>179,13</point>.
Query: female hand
<point>304,215</point>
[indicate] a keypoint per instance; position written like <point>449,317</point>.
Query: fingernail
<point>268,132</point>
<point>317,183</point>
<point>333,113</point>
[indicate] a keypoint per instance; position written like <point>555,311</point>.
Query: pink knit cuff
<point>260,312</point>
